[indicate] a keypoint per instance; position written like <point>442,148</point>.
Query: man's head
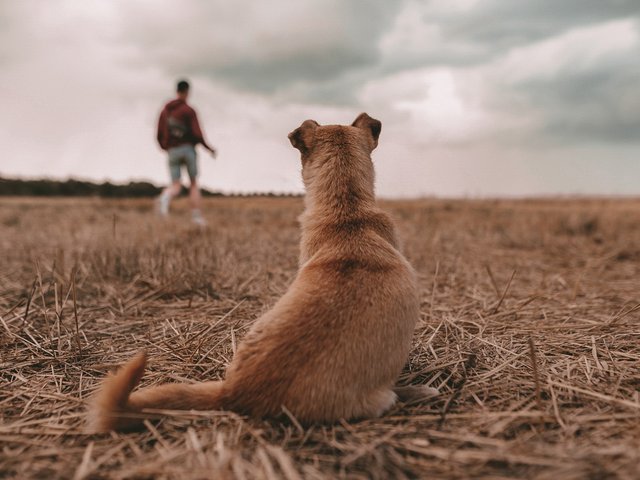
<point>182,89</point>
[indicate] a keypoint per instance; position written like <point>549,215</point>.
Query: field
<point>530,327</point>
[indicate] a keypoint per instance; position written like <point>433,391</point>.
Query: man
<point>178,133</point>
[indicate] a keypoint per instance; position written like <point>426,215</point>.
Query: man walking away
<point>178,133</point>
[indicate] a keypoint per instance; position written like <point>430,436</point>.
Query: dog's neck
<point>339,191</point>
<point>338,195</point>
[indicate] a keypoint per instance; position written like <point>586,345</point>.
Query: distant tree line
<point>78,188</point>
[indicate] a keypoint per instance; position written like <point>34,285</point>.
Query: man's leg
<point>196,200</point>
<point>194,195</point>
<point>174,188</point>
<point>167,194</point>
<point>194,190</point>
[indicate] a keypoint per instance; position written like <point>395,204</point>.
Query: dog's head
<point>352,144</point>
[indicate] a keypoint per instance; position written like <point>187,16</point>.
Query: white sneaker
<point>163,205</point>
<point>198,219</point>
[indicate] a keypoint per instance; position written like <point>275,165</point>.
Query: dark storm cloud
<point>501,25</point>
<point>352,50</point>
<point>233,45</point>
<point>590,107</point>
<point>496,26</point>
<point>316,67</point>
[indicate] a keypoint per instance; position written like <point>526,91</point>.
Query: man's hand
<point>213,151</point>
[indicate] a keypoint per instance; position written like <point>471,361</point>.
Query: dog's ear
<point>372,125</point>
<point>302,137</point>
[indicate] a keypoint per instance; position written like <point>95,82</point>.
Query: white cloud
<point>576,50</point>
<point>438,110</point>
<point>416,33</point>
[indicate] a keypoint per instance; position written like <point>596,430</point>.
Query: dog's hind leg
<point>415,393</point>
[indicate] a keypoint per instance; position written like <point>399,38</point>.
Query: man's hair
<point>183,86</point>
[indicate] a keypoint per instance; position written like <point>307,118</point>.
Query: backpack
<point>177,129</point>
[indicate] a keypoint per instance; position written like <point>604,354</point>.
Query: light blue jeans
<point>183,155</point>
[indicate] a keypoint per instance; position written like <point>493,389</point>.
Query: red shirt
<point>178,111</point>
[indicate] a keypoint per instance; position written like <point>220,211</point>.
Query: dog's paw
<point>415,393</point>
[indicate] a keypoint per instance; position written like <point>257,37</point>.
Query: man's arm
<point>196,131</point>
<point>161,134</point>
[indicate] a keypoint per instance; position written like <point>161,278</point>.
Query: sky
<point>477,98</point>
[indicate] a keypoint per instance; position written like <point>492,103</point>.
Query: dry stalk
<point>534,369</point>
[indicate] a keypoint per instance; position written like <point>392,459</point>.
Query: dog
<point>334,345</point>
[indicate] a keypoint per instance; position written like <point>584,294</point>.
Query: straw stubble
<point>530,328</point>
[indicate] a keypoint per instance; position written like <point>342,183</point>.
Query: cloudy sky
<point>476,97</point>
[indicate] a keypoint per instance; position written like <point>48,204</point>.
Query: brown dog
<point>333,346</point>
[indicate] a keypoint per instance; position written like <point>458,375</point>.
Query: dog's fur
<point>333,346</point>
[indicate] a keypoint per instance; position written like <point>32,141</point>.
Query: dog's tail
<point>115,407</point>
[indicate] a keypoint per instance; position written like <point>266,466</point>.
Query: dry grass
<point>530,327</point>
